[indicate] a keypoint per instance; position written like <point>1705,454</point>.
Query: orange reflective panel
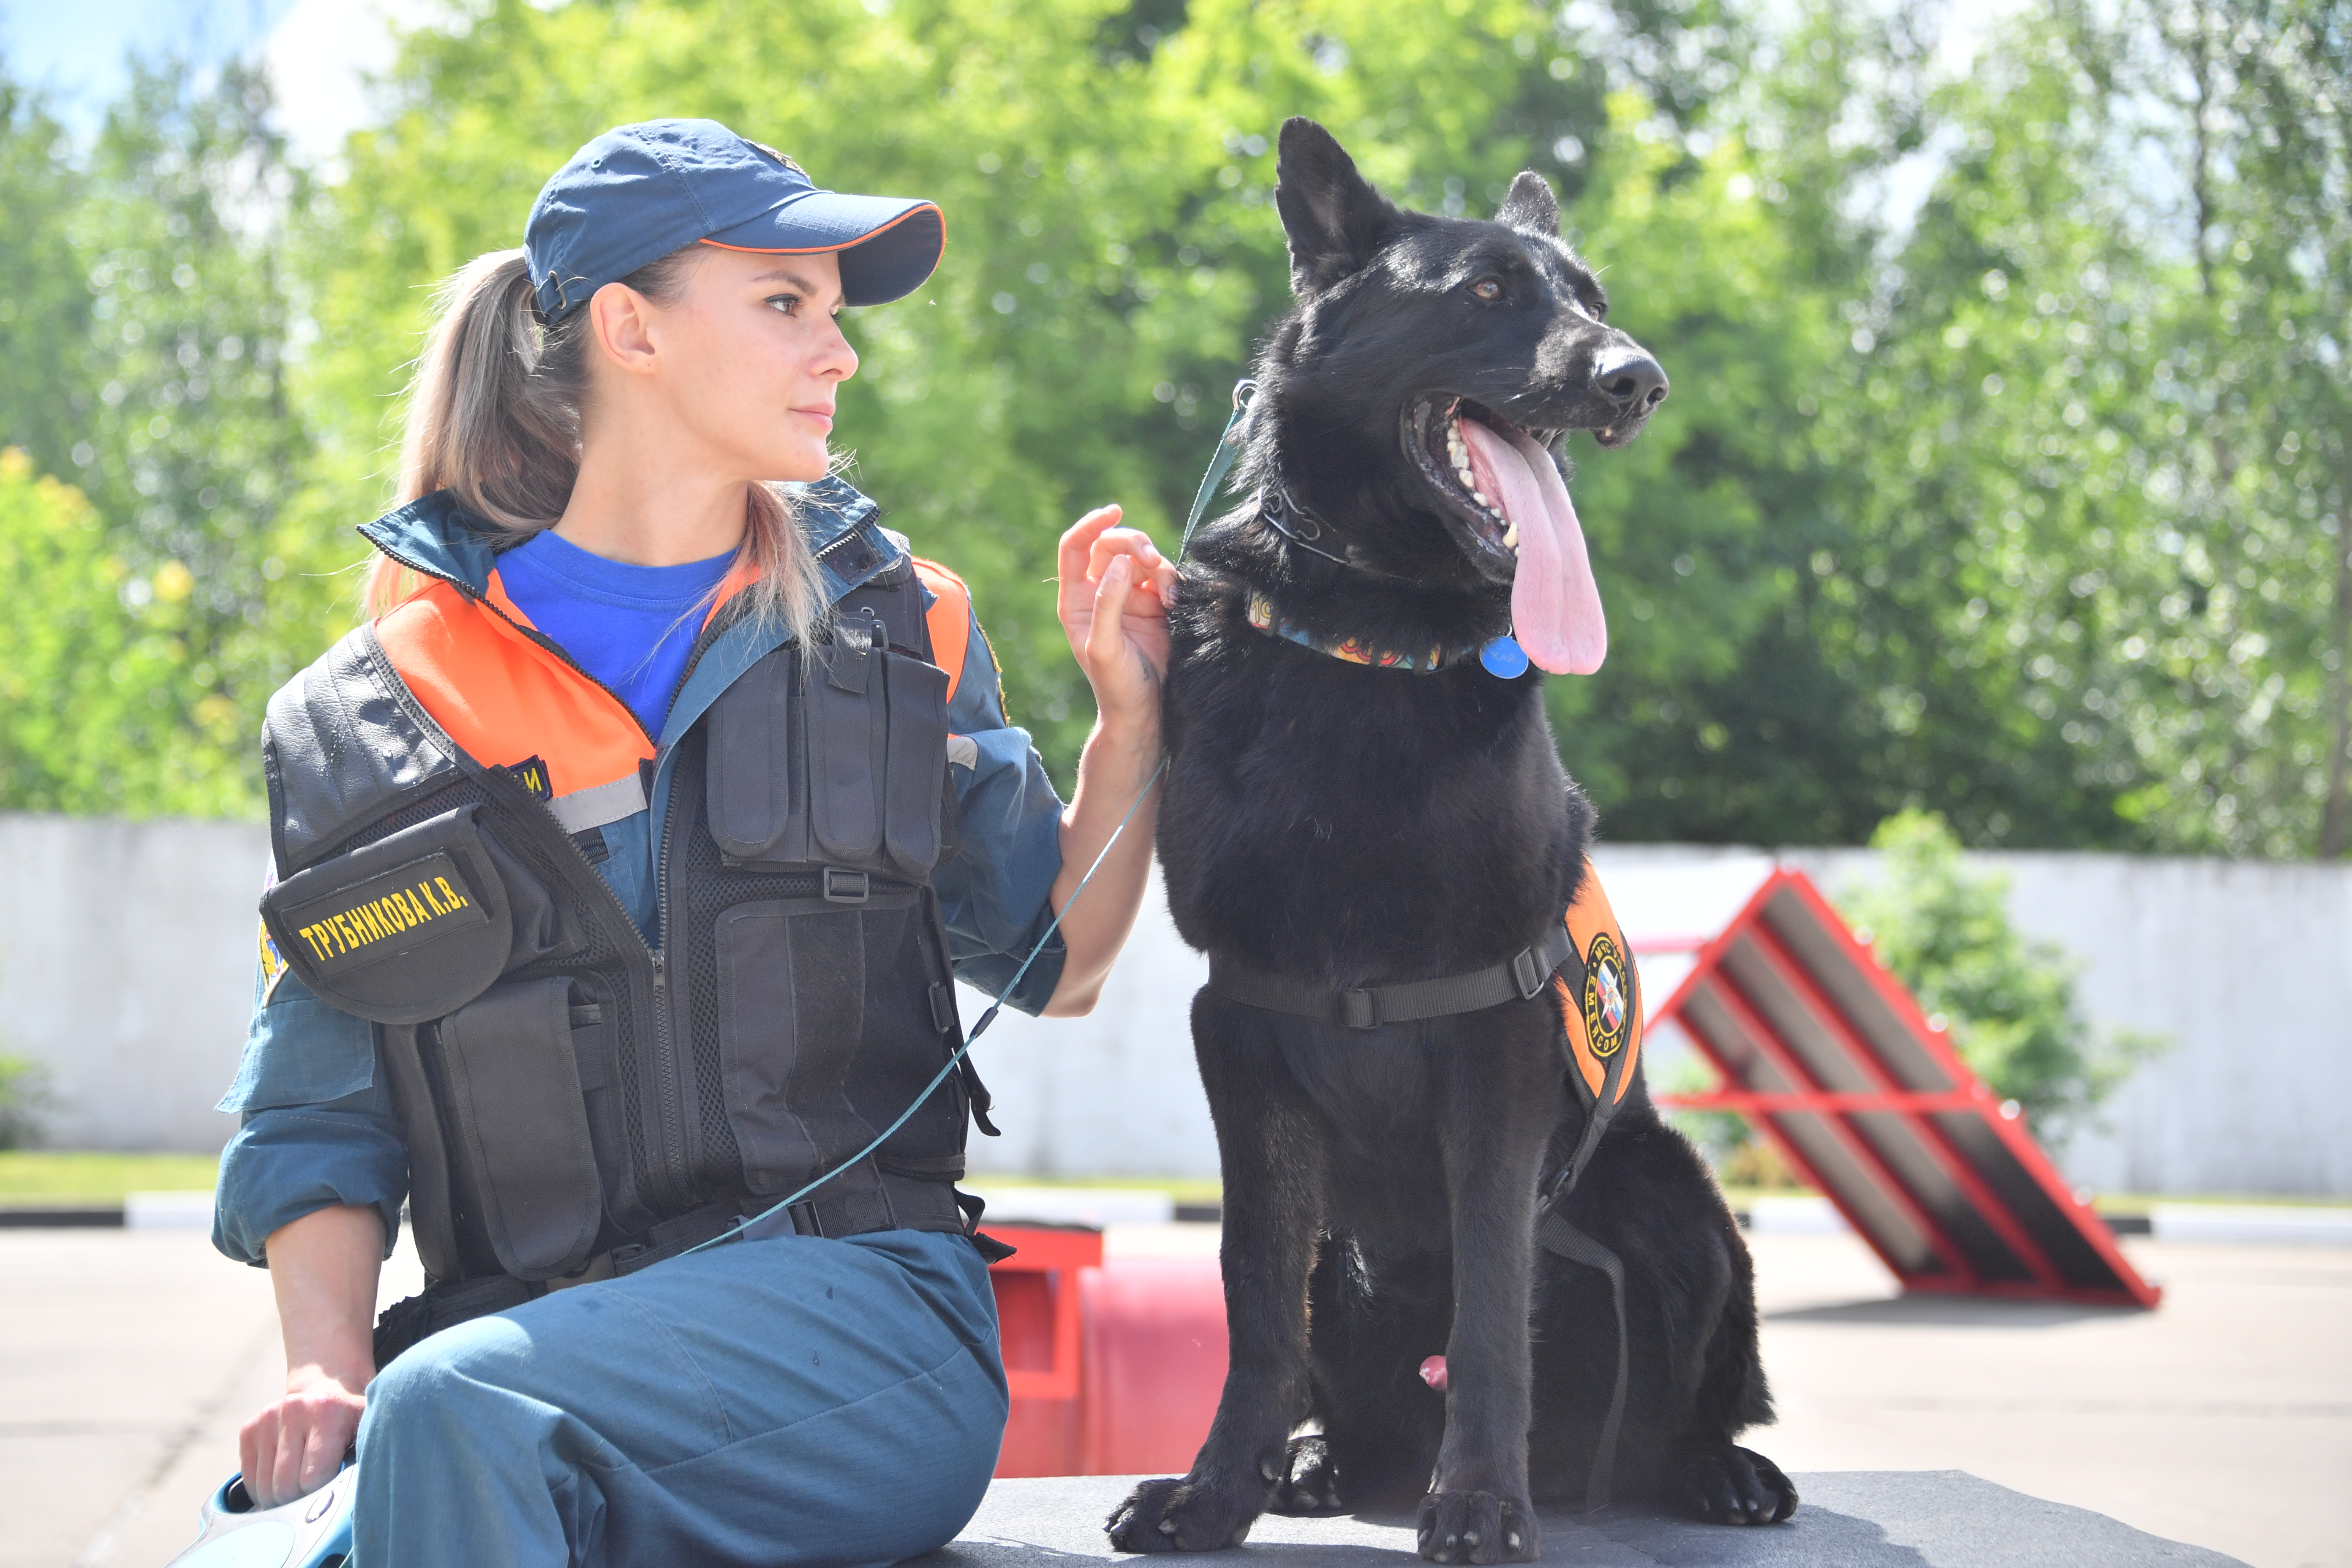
<point>949,618</point>
<point>503,698</point>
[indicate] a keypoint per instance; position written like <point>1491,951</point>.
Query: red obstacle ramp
<point>1827,1052</point>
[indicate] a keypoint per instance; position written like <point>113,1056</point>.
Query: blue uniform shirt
<point>318,1128</point>
<point>632,627</point>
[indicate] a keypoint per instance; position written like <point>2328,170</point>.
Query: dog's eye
<point>1488,288</point>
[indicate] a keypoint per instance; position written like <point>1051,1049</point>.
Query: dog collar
<point>1503,656</point>
<point>1352,650</point>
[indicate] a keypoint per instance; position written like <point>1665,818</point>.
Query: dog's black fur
<point>1358,826</point>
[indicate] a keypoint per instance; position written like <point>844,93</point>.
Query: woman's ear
<point>622,320</point>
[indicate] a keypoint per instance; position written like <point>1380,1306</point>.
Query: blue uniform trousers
<point>791,1401</point>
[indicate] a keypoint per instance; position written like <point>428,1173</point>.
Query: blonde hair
<point>494,415</point>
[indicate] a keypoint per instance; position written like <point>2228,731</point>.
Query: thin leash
<point>1228,448</point>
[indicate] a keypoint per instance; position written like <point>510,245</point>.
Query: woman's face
<point>746,359</point>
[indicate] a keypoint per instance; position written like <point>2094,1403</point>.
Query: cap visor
<point>888,245</point>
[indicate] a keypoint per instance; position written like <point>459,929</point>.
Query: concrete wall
<point>2246,967</point>
<point>126,953</point>
<point>126,964</point>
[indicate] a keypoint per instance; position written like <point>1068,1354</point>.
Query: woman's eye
<point>1487,288</point>
<point>786,303</point>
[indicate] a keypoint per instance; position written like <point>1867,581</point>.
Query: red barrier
<point>1154,1365</point>
<point>1114,1370</point>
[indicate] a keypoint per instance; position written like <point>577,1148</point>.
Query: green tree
<point>44,303</point>
<point>148,327</point>
<point>2008,1001</point>
<point>1112,255</point>
<point>77,663</point>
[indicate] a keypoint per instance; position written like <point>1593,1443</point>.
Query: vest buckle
<point>846,886</point>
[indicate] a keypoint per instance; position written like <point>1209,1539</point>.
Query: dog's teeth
<point>1480,497</point>
<point>1511,536</point>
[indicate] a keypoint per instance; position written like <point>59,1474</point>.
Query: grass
<point>45,1178</point>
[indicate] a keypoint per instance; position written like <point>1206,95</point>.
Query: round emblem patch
<point>1606,997</point>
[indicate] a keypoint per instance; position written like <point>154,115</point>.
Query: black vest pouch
<point>847,720</point>
<point>513,1063</point>
<point>843,765</point>
<point>913,801</point>
<point>408,928</point>
<point>758,798</point>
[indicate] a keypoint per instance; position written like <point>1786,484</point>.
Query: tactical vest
<point>571,1094</point>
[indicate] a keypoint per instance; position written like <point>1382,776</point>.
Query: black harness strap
<point>1519,978</point>
<point>1556,1235</point>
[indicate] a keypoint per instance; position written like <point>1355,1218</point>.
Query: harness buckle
<point>1359,1009</point>
<point>1526,975</point>
<point>846,886</point>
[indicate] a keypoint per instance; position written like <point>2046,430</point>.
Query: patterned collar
<point>1262,617</point>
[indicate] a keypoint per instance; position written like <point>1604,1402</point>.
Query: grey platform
<point>1849,1519</point>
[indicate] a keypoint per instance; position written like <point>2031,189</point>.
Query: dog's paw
<point>1312,1485</point>
<point>1182,1514</point>
<point>1732,1485</point>
<point>1478,1527</point>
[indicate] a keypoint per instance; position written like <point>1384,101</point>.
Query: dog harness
<point>1588,967</point>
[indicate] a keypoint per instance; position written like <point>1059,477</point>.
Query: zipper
<point>670,1161</point>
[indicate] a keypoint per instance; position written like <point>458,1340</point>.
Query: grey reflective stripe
<point>963,752</point>
<point>585,808</point>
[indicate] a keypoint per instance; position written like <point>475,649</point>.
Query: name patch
<point>386,915</point>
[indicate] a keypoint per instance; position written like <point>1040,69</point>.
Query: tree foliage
<point>146,321</point>
<point>2007,1001</point>
<point>2026,508</point>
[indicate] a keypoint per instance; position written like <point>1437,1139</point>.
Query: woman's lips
<point>823,416</point>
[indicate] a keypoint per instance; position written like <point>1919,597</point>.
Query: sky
<point>319,52</point>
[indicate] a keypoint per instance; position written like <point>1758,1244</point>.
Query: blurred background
<point>1999,508</point>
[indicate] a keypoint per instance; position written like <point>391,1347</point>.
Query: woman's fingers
<point>1133,543</point>
<point>1105,638</point>
<point>256,1455</point>
<point>285,1468</point>
<point>298,1444</point>
<point>1078,543</point>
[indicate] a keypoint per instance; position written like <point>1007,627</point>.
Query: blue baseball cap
<point>639,192</point>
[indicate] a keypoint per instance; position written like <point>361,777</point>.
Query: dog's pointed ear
<point>1333,218</point>
<point>1531,206</point>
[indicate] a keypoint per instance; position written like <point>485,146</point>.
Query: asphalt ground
<point>2224,1419</point>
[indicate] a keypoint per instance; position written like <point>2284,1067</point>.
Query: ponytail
<point>494,415</point>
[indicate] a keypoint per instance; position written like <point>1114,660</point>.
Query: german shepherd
<point>1347,825</point>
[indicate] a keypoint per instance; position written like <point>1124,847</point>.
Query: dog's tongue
<point>1554,604</point>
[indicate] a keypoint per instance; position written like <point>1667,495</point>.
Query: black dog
<point>1346,825</point>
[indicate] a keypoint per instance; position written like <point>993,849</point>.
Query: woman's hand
<point>1115,588</point>
<point>297,1445</point>
<point>322,1268</point>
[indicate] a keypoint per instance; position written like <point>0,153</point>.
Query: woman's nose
<point>837,359</point>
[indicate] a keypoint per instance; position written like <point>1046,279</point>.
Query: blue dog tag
<point>1504,657</point>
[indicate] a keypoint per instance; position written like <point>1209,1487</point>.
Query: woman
<point>620,864</point>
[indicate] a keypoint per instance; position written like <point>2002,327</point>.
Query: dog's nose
<point>1631,377</point>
